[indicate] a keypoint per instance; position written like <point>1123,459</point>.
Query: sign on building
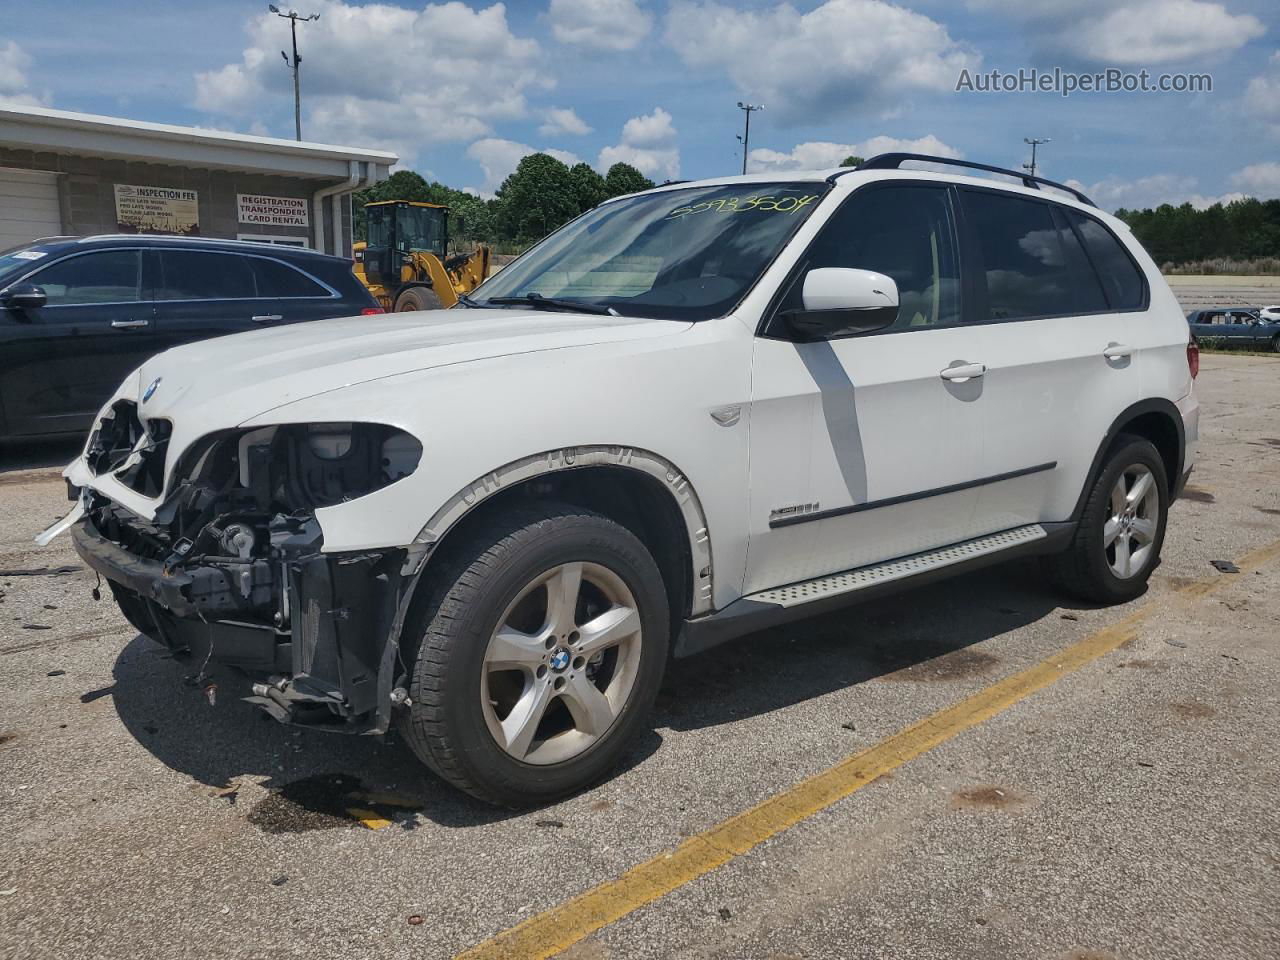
<point>274,211</point>
<point>157,210</point>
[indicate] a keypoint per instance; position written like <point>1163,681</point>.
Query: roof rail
<point>893,161</point>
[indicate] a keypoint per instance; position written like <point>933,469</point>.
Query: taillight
<point>1193,357</point>
<point>370,311</point>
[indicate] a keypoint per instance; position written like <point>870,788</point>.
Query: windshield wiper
<point>468,302</point>
<point>539,302</point>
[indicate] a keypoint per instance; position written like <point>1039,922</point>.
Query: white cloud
<point>1262,96</point>
<point>823,154</point>
<point>603,24</point>
<point>843,56</point>
<point>384,75</point>
<point>1129,32</point>
<point>1261,180</point>
<point>649,144</point>
<point>14,62</point>
<point>561,121</point>
<point>1112,193</point>
<point>499,158</point>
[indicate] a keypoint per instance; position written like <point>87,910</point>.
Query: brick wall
<point>87,193</point>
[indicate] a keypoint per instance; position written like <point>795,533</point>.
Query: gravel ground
<point>1127,811</point>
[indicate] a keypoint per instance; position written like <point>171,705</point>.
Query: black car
<point>77,315</point>
<point>1234,327</point>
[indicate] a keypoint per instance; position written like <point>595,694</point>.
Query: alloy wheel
<point>1129,534</point>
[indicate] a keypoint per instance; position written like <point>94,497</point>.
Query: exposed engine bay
<point>230,571</point>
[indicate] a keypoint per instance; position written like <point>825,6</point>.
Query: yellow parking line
<point>368,818</point>
<point>554,930</point>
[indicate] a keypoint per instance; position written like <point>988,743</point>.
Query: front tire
<point>540,656</point>
<point>418,298</point>
<point>1116,545</point>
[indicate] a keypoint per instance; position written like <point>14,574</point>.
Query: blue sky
<point>462,90</point>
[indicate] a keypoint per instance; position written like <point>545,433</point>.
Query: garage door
<point>28,206</point>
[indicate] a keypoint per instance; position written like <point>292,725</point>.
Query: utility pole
<point>748,109</point>
<point>1034,142</point>
<point>293,17</point>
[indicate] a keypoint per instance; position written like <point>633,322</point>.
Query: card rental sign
<point>157,209</point>
<point>273,211</point>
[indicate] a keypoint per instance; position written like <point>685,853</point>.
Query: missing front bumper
<point>316,634</point>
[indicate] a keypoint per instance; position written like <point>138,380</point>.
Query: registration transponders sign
<point>273,211</point>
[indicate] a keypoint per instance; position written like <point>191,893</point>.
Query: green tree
<point>589,188</point>
<point>624,178</point>
<point>851,161</point>
<point>536,199</point>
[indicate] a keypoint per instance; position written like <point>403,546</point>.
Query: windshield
<point>18,260</point>
<point>679,254</point>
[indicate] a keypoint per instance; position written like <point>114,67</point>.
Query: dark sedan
<point>77,315</point>
<point>1234,327</point>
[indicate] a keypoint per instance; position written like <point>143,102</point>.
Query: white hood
<point>232,379</point>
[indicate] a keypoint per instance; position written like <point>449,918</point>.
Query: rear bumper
<point>1189,410</point>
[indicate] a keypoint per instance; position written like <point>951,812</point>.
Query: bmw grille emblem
<point>151,389</point>
<point>560,659</point>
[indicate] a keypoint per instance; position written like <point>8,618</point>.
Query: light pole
<point>748,109</point>
<point>293,17</point>
<point>1034,142</point>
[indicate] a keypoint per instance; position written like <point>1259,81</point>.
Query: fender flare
<point>570,458</point>
<point>1151,405</point>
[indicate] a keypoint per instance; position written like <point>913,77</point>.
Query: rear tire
<point>1275,343</point>
<point>1121,528</point>
<point>516,698</point>
<point>418,298</point>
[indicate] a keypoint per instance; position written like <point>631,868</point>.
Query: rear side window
<point>276,279</point>
<point>107,277</point>
<point>195,275</point>
<point>1119,274</point>
<point>1025,259</point>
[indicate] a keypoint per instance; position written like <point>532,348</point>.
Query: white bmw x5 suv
<point>689,414</point>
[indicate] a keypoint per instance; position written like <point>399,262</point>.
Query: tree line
<point>1246,229</point>
<point>542,194</point>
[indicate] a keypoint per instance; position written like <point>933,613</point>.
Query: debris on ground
<point>725,913</point>
<point>1069,616</point>
<point>1224,566</point>
<point>280,881</point>
<point>415,920</point>
<point>554,824</point>
<point>56,673</point>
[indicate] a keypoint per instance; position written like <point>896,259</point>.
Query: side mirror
<point>24,296</point>
<point>843,302</point>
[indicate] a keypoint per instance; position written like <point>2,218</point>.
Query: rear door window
<point>1025,260</point>
<point>1120,276</point>
<point>110,276</point>
<point>277,279</point>
<point>199,275</point>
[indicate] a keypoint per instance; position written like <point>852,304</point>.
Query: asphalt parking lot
<point>1030,779</point>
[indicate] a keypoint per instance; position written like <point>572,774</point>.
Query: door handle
<point>962,372</point>
<point>1117,351</point>
<point>267,317</point>
<point>129,324</point>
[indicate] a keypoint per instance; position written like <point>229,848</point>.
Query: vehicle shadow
<point>39,453</point>
<point>924,636</point>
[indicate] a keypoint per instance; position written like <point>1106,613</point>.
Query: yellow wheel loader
<point>405,263</point>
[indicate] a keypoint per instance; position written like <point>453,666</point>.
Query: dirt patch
<point>1269,511</point>
<point>1089,955</point>
<point>1159,666</point>
<point>1193,710</point>
<point>30,476</point>
<point>1198,494</point>
<point>925,661</point>
<point>599,805</point>
<point>987,797</point>
<point>322,802</point>
<point>7,737</point>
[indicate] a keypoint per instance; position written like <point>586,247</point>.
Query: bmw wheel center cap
<point>559,660</point>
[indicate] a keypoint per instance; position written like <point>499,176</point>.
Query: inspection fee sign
<point>275,211</point>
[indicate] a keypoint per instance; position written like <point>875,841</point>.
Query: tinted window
<point>1120,275</point>
<point>276,279</point>
<point>195,275</point>
<point>1087,295</point>
<point>107,277</point>
<point>1025,259</point>
<point>904,232</point>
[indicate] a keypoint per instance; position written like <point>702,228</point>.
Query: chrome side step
<point>862,578</point>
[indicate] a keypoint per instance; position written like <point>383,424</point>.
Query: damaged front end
<point>231,572</point>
